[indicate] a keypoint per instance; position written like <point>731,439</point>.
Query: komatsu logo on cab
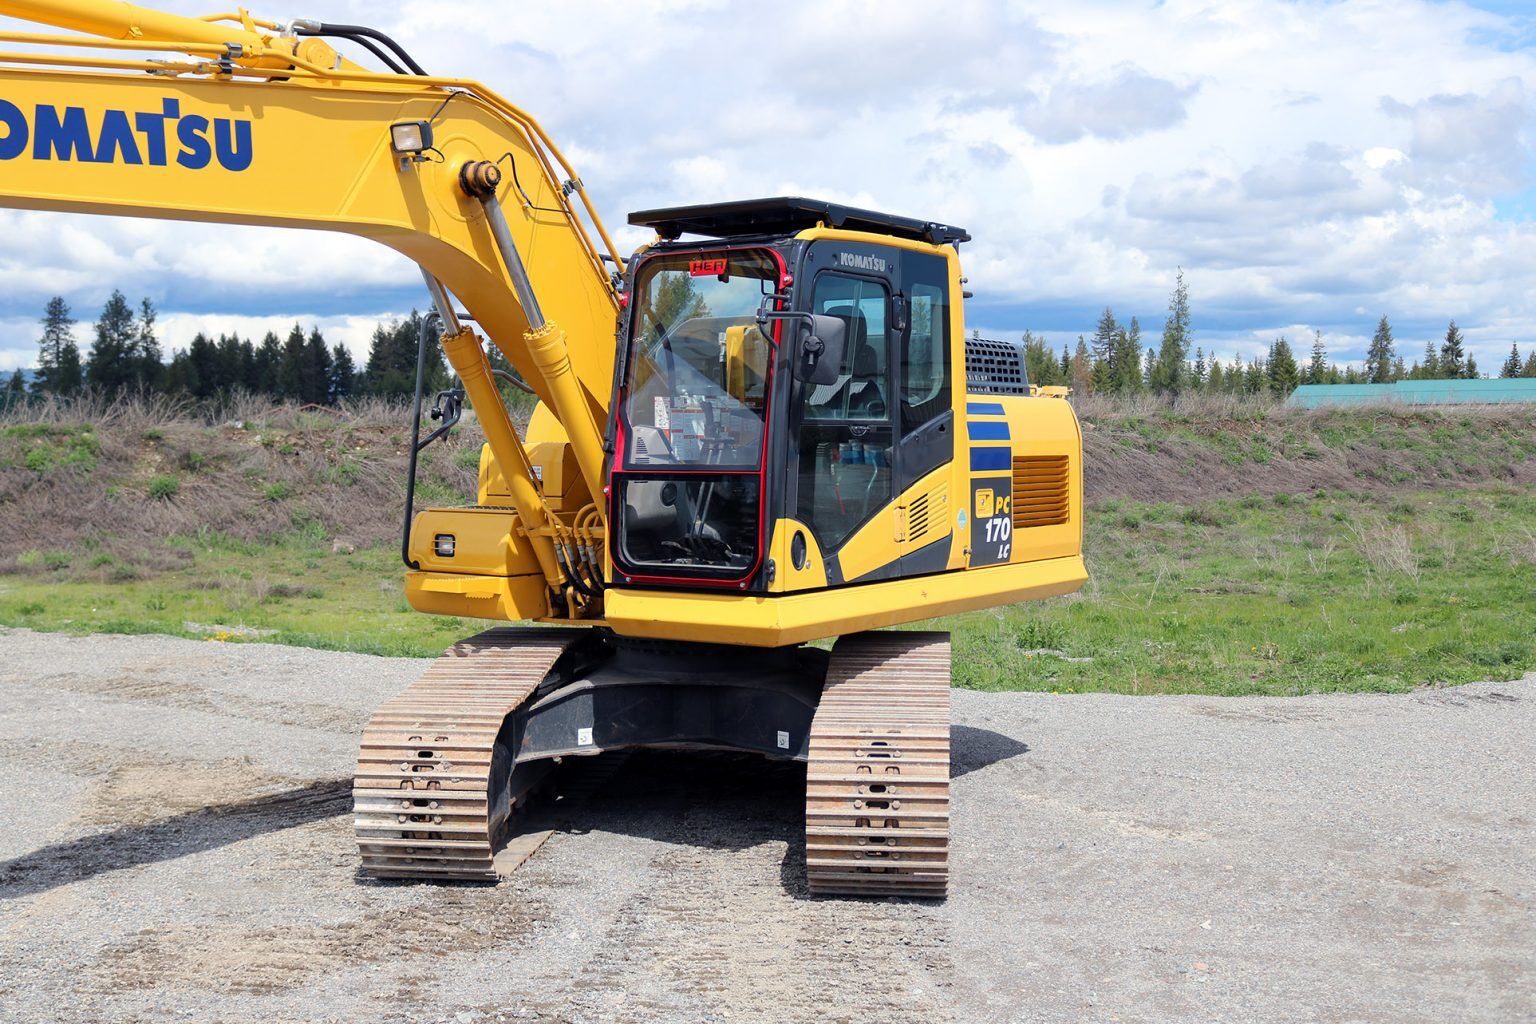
<point>858,261</point>
<point>152,138</point>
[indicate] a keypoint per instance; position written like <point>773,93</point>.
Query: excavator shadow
<point>972,749</point>
<point>714,800</point>
<point>198,831</point>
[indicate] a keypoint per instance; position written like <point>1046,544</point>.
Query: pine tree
<point>317,370</point>
<point>1256,377</point>
<point>15,390</point>
<point>247,380</point>
<point>1127,362</point>
<point>1429,369</point>
<point>266,363</point>
<point>71,380</point>
<point>180,377</point>
<point>58,359</point>
<point>1082,368</point>
<point>1105,334</point>
<point>1215,381</point>
<point>148,371</point>
<point>1378,359</point>
<point>1105,339</point>
<point>290,373</point>
<point>1284,375</point>
<point>1453,360</point>
<point>110,366</point>
<point>1039,361</point>
<point>1170,372</point>
<point>1470,372</point>
<point>380,371</point>
<point>1317,366</point>
<point>1529,369</point>
<point>201,377</point>
<point>391,366</point>
<point>1101,376</point>
<point>343,375</point>
<point>1511,367</point>
<point>233,359</point>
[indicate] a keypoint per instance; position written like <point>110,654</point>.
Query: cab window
<point>859,391</point>
<point>925,358</point>
<point>845,435</point>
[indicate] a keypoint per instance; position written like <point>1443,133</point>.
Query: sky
<point>1309,165</point>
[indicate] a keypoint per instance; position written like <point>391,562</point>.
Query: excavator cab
<point>789,396</point>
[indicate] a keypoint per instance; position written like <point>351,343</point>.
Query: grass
<point>231,590</point>
<point>1292,594</point>
<point>44,448</point>
<point>1236,545</point>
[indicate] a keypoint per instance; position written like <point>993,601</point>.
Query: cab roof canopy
<point>786,215</point>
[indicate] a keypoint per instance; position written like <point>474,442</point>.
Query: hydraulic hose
<point>358,33</point>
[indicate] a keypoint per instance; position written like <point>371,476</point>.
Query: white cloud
<point>1305,163</point>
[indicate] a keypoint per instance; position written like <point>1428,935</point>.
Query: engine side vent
<point>995,367</point>
<point>1040,491</point>
<point>917,517</point>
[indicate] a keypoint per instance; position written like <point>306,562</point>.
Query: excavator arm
<point>238,121</point>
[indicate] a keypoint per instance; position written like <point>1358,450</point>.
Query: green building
<point>1418,392</point>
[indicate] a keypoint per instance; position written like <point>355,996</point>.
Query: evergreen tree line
<point>1116,360</point>
<point>124,356</point>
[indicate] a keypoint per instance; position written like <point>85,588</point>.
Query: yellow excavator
<point>763,431</point>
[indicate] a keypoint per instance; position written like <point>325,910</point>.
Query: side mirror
<point>819,354</point>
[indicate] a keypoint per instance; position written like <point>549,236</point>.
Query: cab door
<point>846,431</point>
<point>925,417</point>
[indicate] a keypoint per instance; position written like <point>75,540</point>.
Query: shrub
<point>43,559</point>
<point>60,449</point>
<point>165,487</point>
<point>277,492</point>
<point>1034,634</point>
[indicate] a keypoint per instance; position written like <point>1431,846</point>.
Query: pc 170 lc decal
<point>991,520</point>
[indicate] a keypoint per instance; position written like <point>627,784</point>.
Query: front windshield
<point>698,367</point>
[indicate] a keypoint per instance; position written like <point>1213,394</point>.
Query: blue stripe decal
<point>988,459</point>
<point>988,430</point>
<point>984,408</point>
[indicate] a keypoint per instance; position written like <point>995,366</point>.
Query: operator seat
<point>865,397</point>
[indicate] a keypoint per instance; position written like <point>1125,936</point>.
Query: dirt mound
<point>122,481</point>
<point>1186,457</point>
<point>116,481</point>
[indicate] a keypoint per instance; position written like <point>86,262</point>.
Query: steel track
<point>877,782</point>
<point>431,794</point>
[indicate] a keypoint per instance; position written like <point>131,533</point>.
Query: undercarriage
<point>444,764</point>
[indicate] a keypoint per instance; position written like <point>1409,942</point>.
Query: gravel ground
<point>175,845</point>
